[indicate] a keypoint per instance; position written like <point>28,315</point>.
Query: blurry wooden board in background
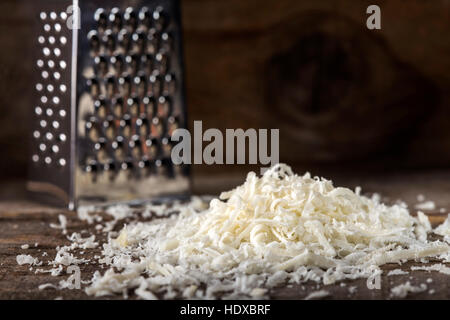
<point>341,95</point>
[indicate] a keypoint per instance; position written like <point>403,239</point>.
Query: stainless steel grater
<point>109,94</point>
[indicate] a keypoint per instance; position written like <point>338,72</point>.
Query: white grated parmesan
<point>27,259</point>
<point>85,214</point>
<point>62,224</point>
<point>439,267</point>
<point>317,295</point>
<point>352,289</point>
<point>277,228</point>
<point>396,272</point>
<point>420,197</point>
<point>47,286</point>
<point>423,226</point>
<point>273,230</point>
<point>258,292</point>
<point>402,290</point>
<point>444,228</point>
<point>427,205</point>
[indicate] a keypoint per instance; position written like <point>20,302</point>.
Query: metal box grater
<point>108,96</point>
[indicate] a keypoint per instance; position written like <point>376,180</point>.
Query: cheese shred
<point>272,230</point>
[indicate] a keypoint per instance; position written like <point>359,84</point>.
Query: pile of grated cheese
<point>276,229</point>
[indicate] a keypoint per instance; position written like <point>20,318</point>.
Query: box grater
<point>108,96</point>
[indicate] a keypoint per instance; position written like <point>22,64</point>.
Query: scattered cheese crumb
<point>427,205</point>
<point>317,295</point>
<point>26,259</point>
<point>47,286</point>
<point>420,198</point>
<point>62,224</point>
<point>402,290</point>
<point>25,246</point>
<point>436,267</point>
<point>396,272</point>
<point>258,292</point>
<point>352,289</point>
<point>85,214</point>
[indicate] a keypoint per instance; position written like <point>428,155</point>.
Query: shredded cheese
<point>62,224</point>
<point>27,259</point>
<point>439,267</point>
<point>396,272</point>
<point>444,228</point>
<point>427,205</point>
<point>274,230</point>
<point>317,295</point>
<point>420,197</point>
<point>402,290</point>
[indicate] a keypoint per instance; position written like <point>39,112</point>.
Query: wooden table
<point>26,222</point>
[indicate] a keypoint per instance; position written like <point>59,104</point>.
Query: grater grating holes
<point>131,91</point>
<point>51,71</point>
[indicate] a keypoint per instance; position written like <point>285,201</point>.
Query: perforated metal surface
<point>108,98</point>
<point>52,92</point>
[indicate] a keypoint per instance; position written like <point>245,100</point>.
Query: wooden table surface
<point>26,222</point>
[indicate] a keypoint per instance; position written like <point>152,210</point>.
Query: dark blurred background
<point>346,99</point>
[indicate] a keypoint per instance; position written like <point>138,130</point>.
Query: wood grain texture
<point>25,222</point>
<point>267,66</point>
